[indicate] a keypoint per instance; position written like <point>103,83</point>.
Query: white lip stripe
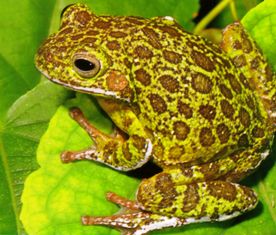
<point>90,90</point>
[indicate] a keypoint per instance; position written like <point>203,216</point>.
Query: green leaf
<point>26,121</point>
<point>261,23</point>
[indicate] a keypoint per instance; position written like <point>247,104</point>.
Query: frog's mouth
<point>87,90</point>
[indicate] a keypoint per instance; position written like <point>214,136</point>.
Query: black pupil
<point>84,65</point>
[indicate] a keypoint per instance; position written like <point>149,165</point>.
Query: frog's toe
<point>75,112</point>
<point>69,156</point>
<point>66,156</point>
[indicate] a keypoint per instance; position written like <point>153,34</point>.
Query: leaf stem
<point>211,15</point>
<point>234,11</point>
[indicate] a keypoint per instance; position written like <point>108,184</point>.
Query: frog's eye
<point>86,66</point>
<point>64,9</point>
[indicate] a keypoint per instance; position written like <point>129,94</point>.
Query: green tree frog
<point>205,114</point>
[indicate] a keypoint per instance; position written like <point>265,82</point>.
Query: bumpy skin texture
<point>205,114</point>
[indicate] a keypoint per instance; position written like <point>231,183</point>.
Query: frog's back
<point>191,96</point>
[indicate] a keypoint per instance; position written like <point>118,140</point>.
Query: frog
<point>204,113</point>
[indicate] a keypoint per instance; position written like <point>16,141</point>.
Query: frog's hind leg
<point>179,196</point>
<point>248,160</point>
<point>196,202</point>
<point>161,203</point>
<point>255,71</point>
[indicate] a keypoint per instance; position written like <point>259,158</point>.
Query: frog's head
<point>76,57</point>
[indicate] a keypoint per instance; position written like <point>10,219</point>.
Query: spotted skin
<point>206,114</point>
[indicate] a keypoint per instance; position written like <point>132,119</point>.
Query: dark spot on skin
<point>143,52</point>
<point>243,141</point>
<point>127,121</point>
<point>157,103</point>
<point>171,31</point>
<point>244,81</point>
<point>83,17</point>
<point>139,142</point>
<point>226,62</point>
<point>92,32</point>
<point>158,151</point>
<point>206,137</point>
<point>237,45</point>
<point>181,130</point>
<point>65,31</point>
<point>223,133</point>
<point>117,34</point>
<point>77,36</point>
<point>153,37</point>
<point>221,153</point>
<point>209,170</point>
<point>207,111</point>
<point>127,63</point>
<point>166,187</point>
<point>226,91</point>
<point>176,152</point>
<point>255,63</point>
<point>109,149</point>
<point>113,45</point>
<point>172,57</point>
<point>186,171</point>
<point>247,46</point>
<point>244,117</point>
<point>191,198</point>
<point>251,198</point>
<point>62,49</point>
<point>220,189</point>
<point>239,60</point>
<point>135,20</point>
<point>184,109</point>
<point>143,77</point>
<point>250,102</point>
<point>203,61</point>
<point>126,92</point>
<point>126,152</point>
<point>234,83</point>
<point>169,83</point>
<point>101,24</point>
<point>258,132</point>
<point>227,109</point>
<point>89,40</point>
<point>201,83</point>
<point>269,73</point>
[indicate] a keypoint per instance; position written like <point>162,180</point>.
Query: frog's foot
<point>131,220</point>
<point>114,150</point>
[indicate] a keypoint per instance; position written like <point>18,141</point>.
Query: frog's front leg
<point>116,150</point>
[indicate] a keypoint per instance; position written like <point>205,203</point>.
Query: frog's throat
<point>90,90</point>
